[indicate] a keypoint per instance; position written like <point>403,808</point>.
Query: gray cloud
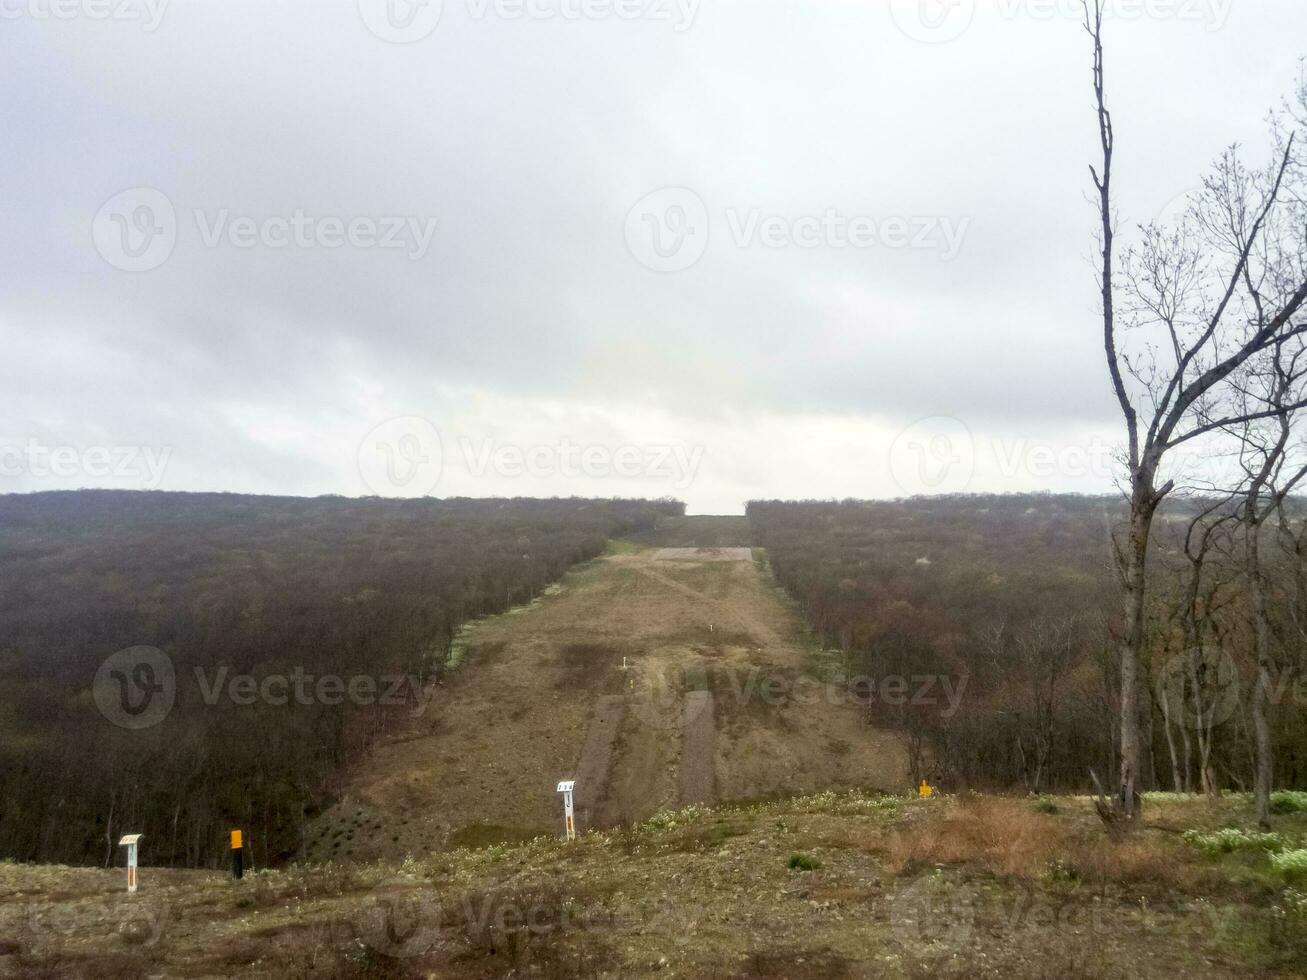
<point>528,141</point>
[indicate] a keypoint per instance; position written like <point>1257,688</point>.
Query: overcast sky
<point>712,249</point>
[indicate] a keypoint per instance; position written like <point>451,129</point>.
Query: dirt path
<point>539,698</point>
<point>596,757</point>
<point>698,750</point>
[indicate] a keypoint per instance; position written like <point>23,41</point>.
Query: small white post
<point>565,787</point>
<point>131,841</point>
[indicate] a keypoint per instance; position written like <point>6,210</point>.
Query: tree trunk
<point>1263,771</point>
<point>1136,555</point>
<point>1176,777</point>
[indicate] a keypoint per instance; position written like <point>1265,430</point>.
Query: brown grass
<point>1008,837</point>
<point>1002,836</point>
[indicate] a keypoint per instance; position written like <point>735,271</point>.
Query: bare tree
<point>1199,320</point>
<point>1037,656</point>
<point>1272,469</point>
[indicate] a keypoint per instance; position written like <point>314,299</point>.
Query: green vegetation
<point>1230,839</point>
<point>802,862</point>
<point>1291,865</point>
<point>1288,801</point>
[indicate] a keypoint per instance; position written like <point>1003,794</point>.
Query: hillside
<point>175,664</point>
<point>1017,594</point>
<point>831,886</point>
<point>644,674</point>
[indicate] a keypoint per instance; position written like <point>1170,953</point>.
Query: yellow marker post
<point>237,855</point>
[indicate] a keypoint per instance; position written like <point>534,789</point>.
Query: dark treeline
<point>370,590</point>
<point>1016,597</point>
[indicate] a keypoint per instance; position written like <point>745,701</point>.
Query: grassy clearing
<point>832,884</point>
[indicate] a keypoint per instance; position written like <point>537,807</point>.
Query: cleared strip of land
<point>538,698</point>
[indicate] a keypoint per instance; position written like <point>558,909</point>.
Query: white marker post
<point>130,842</point>
<point>565,787</point>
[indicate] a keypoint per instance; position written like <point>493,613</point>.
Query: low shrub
<point>1289,801</point>
<point>1227,840</point>
<point>1291,865</point>
<point>803,862</point>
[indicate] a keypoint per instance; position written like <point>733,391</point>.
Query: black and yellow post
<point>237,855</point>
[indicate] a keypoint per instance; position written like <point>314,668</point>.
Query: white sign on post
<point>130,842</point>
<point>565,787</point>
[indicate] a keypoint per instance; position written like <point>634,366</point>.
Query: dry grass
<point>1009,838</point>
<point>1005,837</point>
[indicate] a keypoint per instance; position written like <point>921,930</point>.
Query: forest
<point>1016,597</point>
<point>263,607</point>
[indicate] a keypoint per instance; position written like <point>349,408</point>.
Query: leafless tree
<point>1037,655</point>
<point>1273,466</point>
<point>1200,301</point>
